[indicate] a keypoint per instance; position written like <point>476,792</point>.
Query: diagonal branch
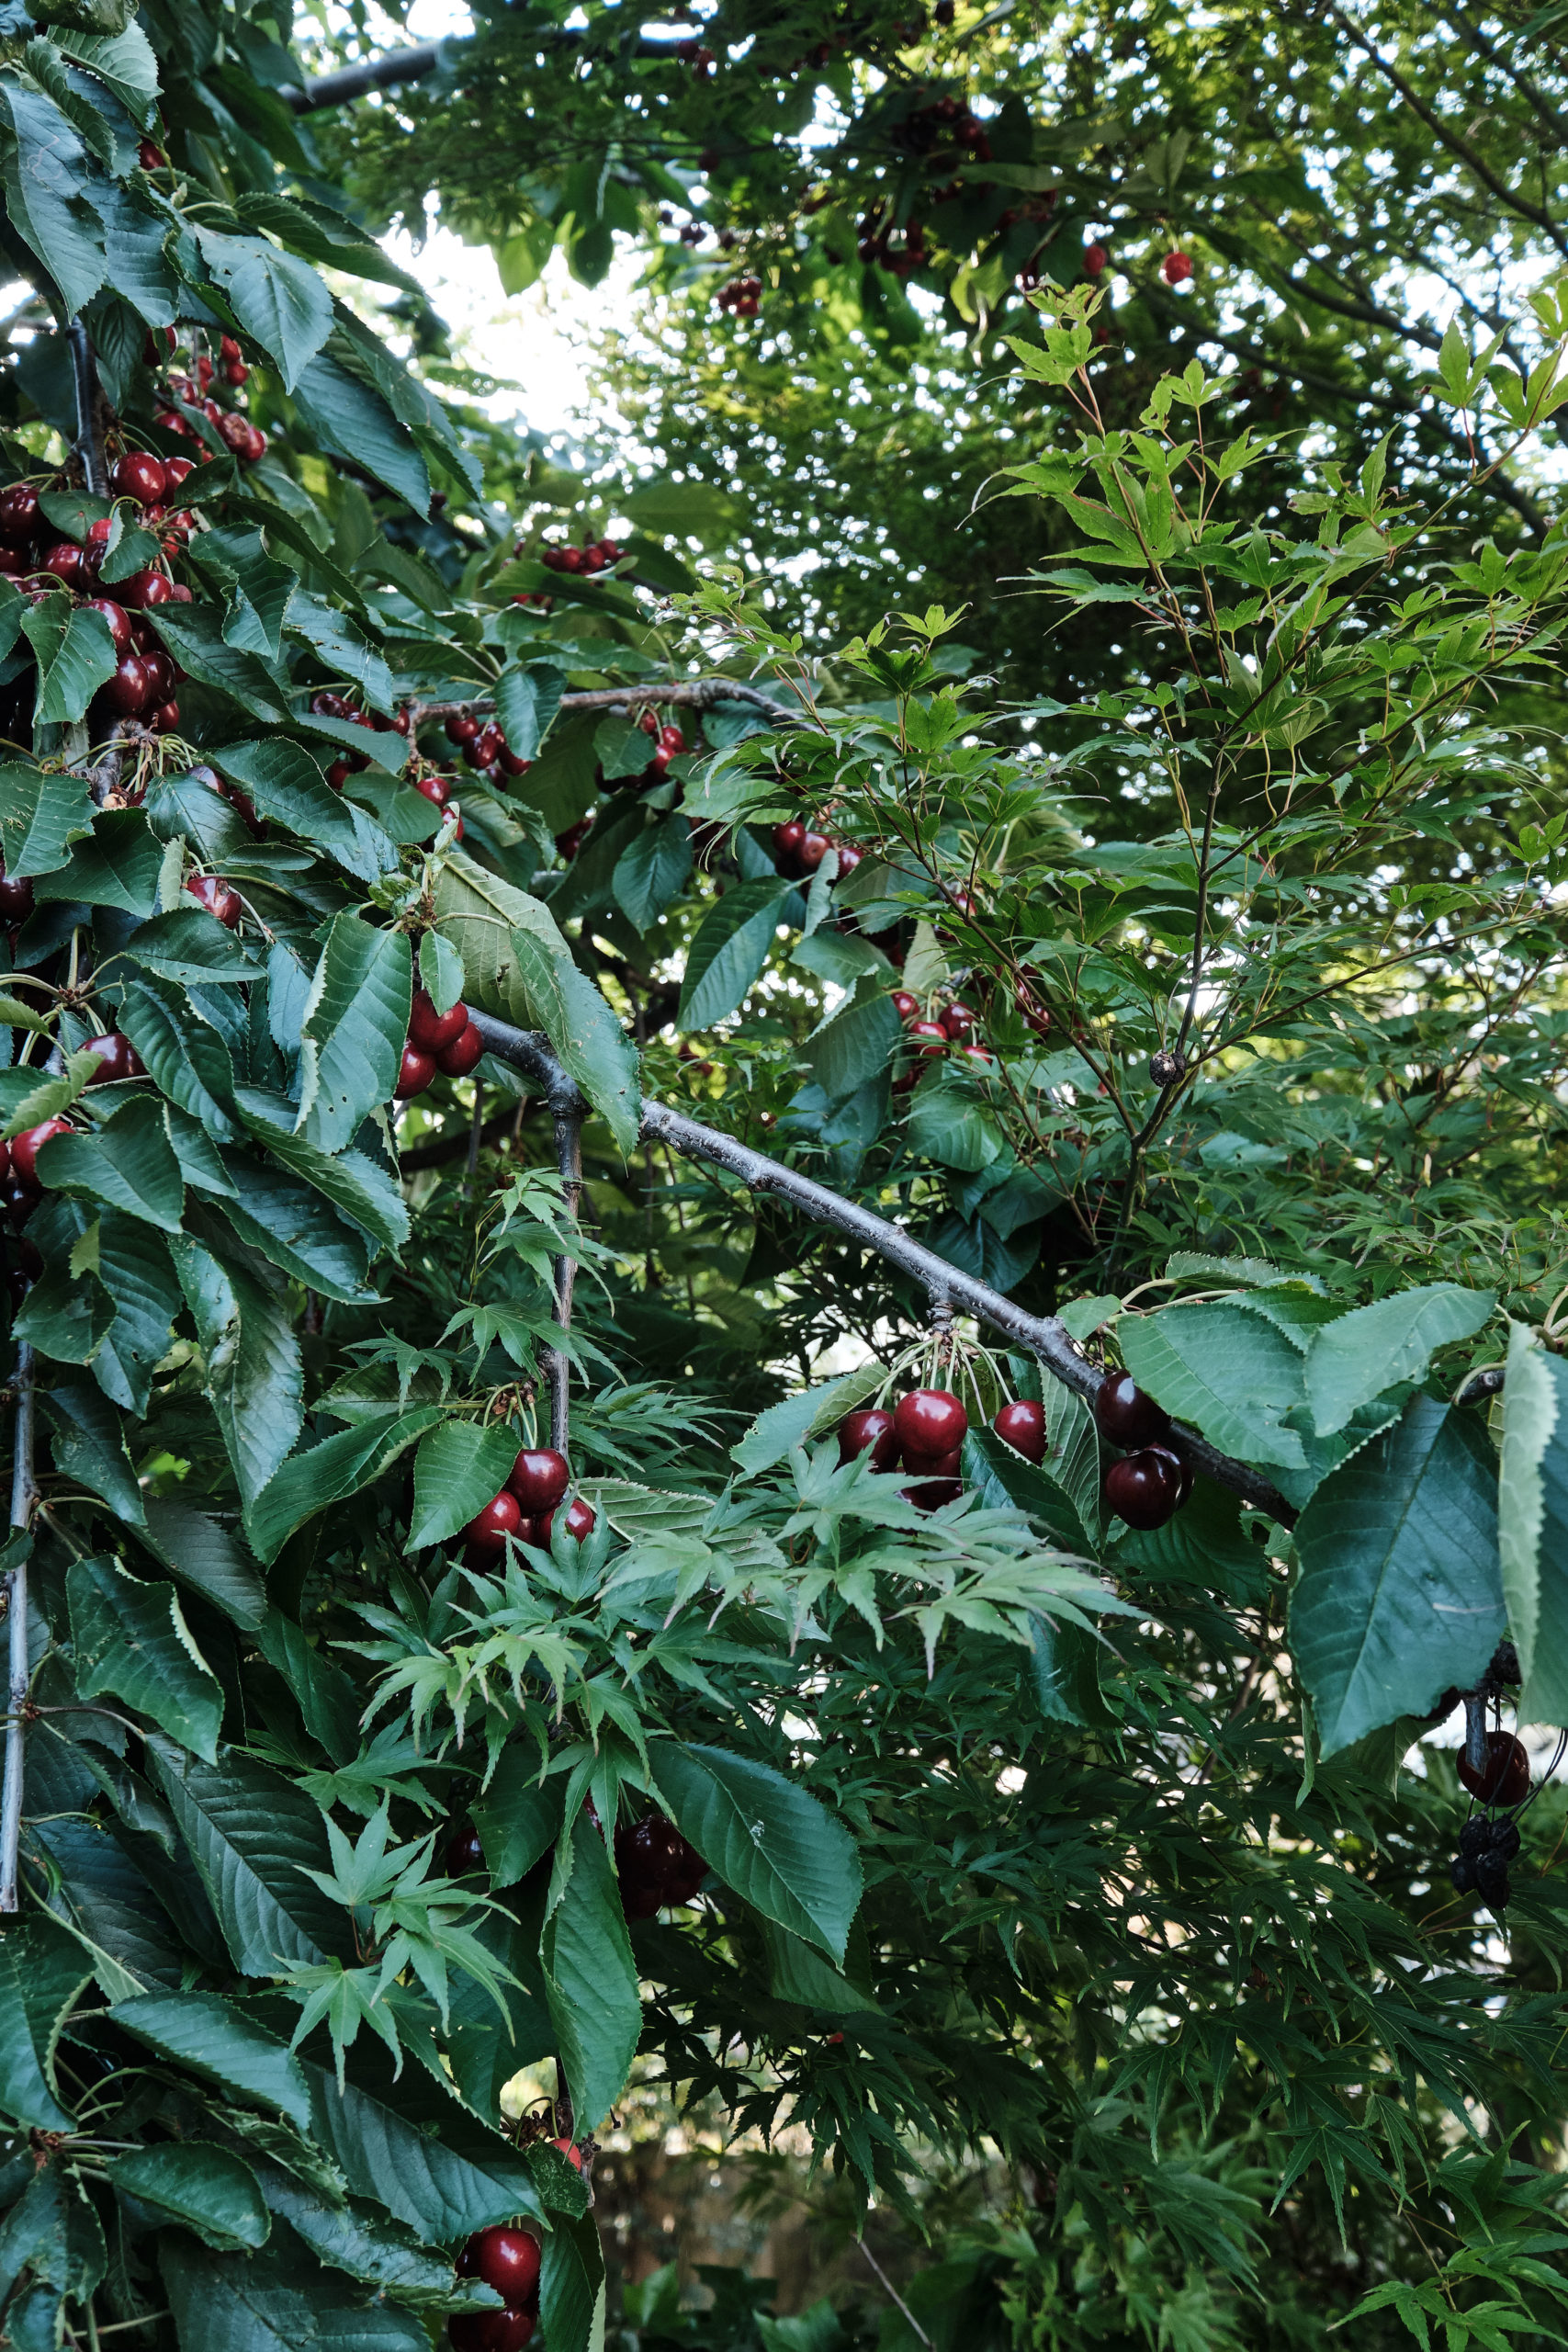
<point>1041,1336</point>
<point>23,1494</point>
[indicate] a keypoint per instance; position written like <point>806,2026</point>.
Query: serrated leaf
<point>729,952</point>
<point>1353,1359</point>
<point>131,1642</point>
<point>460,1467</point>
<point>779,1850</point>
<point>356,1020</point>
<point>207,2190</point>
<point>341,1466</point>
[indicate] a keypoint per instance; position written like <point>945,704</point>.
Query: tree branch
<point>23,1494</point>
<point>688,693</point>
<point>1041,1336</point>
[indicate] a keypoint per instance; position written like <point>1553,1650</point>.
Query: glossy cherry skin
<point>18,513</point>
<point>538,1479</point>
<point>16,898</point>
<point>486,1532</point>
<point>656,1866</point>
<point>20,1196</point>
<point>1035,1016</point>
<point>463,1054</point>
<point>178,469</point>
<point>210,890</point>
<point>415,1072</point>
<point>1504,1779</point>
<point>580,1520</point>
<point>130,690</point>
<point>462,727</point>
<point>464,1855</point>
<point>959,1020</point>
<point>787,841</point>
<point>929,1038</point>
<point>139,475</point>
<point>146,588</point>
<point>25,1148</point>
<point>117,616</point>
<point>436,789</point>
<point>165,718</point>
<point>814,848</point>
<point>934,1465</point>
<point>507,2260</point>
<point>1022,1426</point>
<point>430,1030</point>
<point>1125,1415</point>
<point>1145,1489</point>
<point>929,1423</point>
<point>64,561</point>
<point>1181,1465</point>
<point>116,1057</point>
<point>870,1430</point>
<point>933,1496</point>
<point>906,1006</point>
<point>490,2330</point>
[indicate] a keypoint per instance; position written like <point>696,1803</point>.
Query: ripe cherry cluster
<point>930,1039</point>
<point>144,677</point>
<point>507,2258</point>
<point>447,1042</point>
<point>924,1433</point>
<point>1153,1480</point>
<point>593,555</point>
<point>878,245</point>
<point>655,1866</point>
<point>194,390</point>
<point>525,1507</point>
<point>1175,268</point>
<point>484,746</point>
<point>1486,1844</point>
<point>799,849</point>
<point>741,295</point>
<point>945,122</point>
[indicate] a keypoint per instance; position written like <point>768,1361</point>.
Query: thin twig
<point>23,1494</point>
<point>892,2291</point>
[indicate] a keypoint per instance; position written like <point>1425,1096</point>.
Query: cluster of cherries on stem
<point>593,555</point>
<point>524,1511</point>
<point>655,1866</point>
<point>1152,1481</point>
<point>930,1039</point>
<point>741,295</point>
<point>144,678</point>
<point>507,2258</point>
<point>799,849</point>
<point>448,1042</point>
<point>924,1433</point>
<point>669,742</point>
<point>484,747</point>
<point>238,433</point>
<point>1486,1844</point>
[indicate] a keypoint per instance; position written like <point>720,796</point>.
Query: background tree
<point>446,1637</point>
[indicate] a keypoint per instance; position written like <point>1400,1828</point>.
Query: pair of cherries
<point>448,1042</point>
<point>527,1505</point>
<point>924,1432</point>
<point>655,1866</point>
<point>508,2259</point>
<point>799,849</point>
<point>1153,1480</point>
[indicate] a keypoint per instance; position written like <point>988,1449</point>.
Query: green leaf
<point>856,1045</point>
<point>947,1124</point>
<point>42,1972</point>
<point>278,299</point>
<point>350,420</point>
<point>651,869</point>
<point>255,1380</point>
<point>135,1268</point>
<point>75,655</point>
<point>527,699</point>
<point>351,1182</point>
<point>571,2280</point>
<point>359,2241</point>
<point>338,1466</point>
<point>185,1055</point>
<point>460,1467</point>
<point>212,2037</point>
<point>1533,1522</point>
<point>66,1316</point>
<point>131,1641</point>
<point>123,61</point>
<point>40,815</point>
<point>440,971</point>
<point>810,1412</point>
<point>46,198</point>
<point>1034,1488</point>
<point>797,1973</point>
<point>127,1164</point>
<point>207,2190</point>
<point>287,785</point>
<point>425,2158</point>
<point>519,965</point>
<point>518,1817</point>
<point>186,945</point>
<point>276,2300</point>
<point>116,866</point>
<point>194,635</point>
<point>357,1020</point>
<point>590,1982</point>
<point>293,1227</point>
<point>253,1836</point>
<point>1400,1593</point>
<point>1353,1359</point>
<point>778,1847</point>
<point>88,1445</point>
<point>1231,1374</point>
<point>205,1555</point>
<point>731,948</point>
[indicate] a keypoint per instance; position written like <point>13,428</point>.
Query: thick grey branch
<point>1041,1336</point>
<point>23,1496</point>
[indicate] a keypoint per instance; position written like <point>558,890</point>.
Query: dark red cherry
<point>814,848</point>
<point>464,1853</point>
<point>130,690</point>
<point>655,1866</point>
<point>1181,1465</point>
<point>580,1520</point>
<point>933,1496</point>
<point>506,2259</point>
<point>1022,1425</point>
<point>959,1020</point>
<point>1505,1778</point>
<point>463,1054</point>
<point>870,1430</point>
<point>210,890</point>
<point>928,1039</point>
<point>787,841</point>
<point>430,1030</point>
<point>930,1421</point>
<point>117,616</point>
<point>415,1072</point>
<point>1143,1489</point>
<point>25,1148</point>
<point>16,898</point>
<point>486,1532</point>
<point>18,513</point>
<point>1125,1415</point>
<point>505,2331</point>
<point>116,1057</point>
<point>142,476</point>
<point>63,561</point>
<point>144,589</point>
<point>906,1006</point>
<point>538,1479</point>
